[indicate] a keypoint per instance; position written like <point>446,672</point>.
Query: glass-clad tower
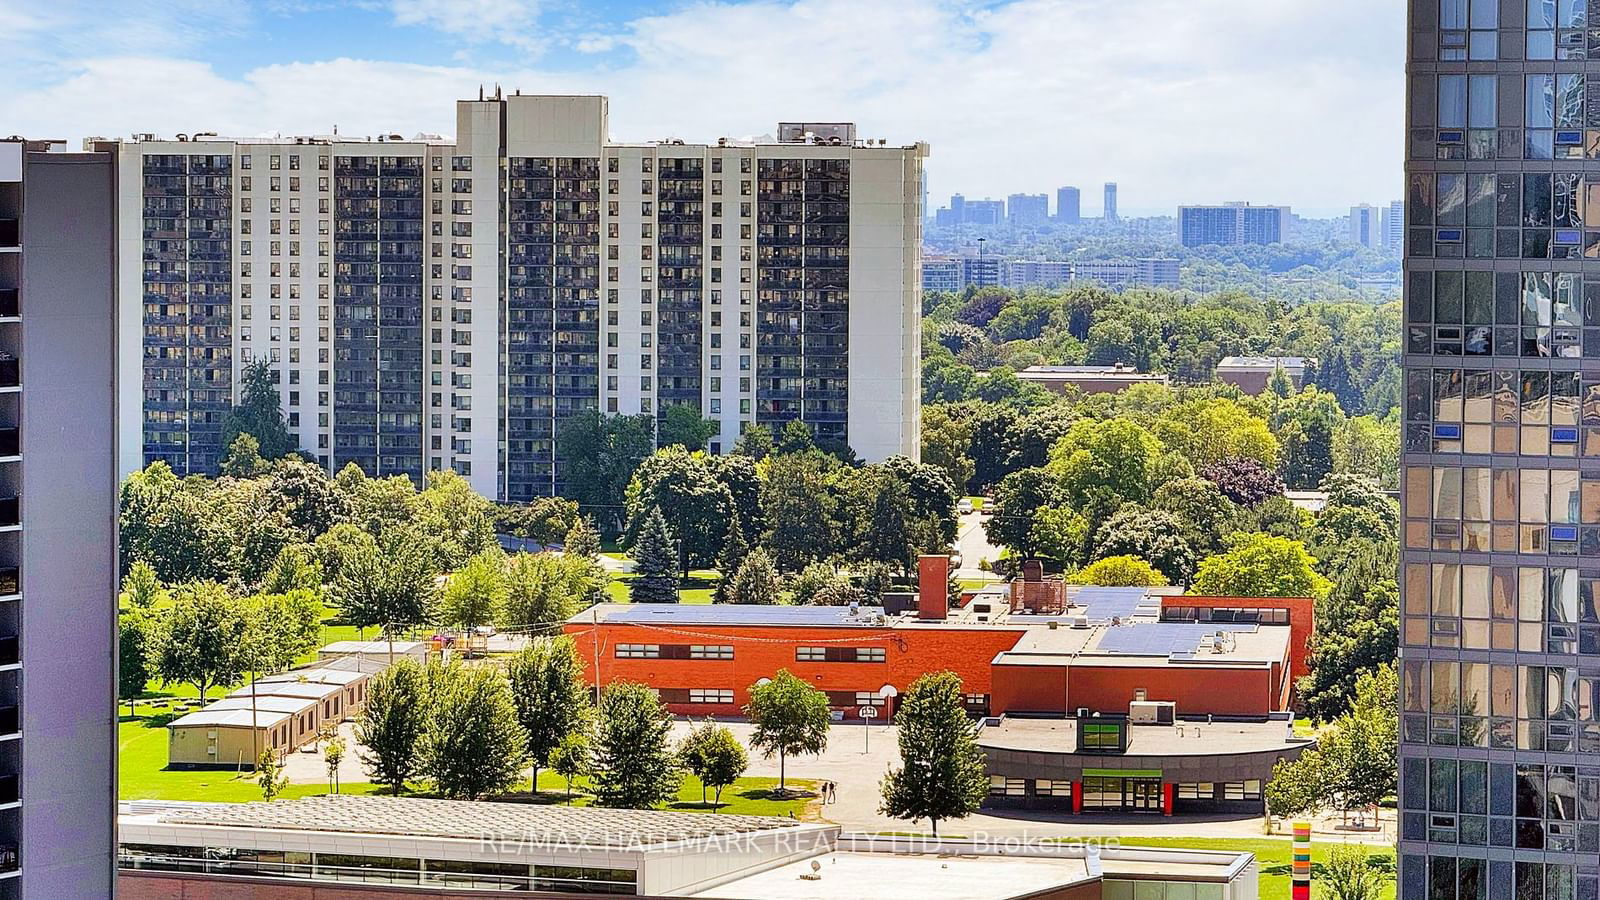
<point>1500,637</point>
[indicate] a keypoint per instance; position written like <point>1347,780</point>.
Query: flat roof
<point>318,675</point>
<point>378,648</point>
<point>236,718</point>
<point>920,876</point>
<point>561,826</point>
<point>1147,643</point>
<point>270,702</point>
<point>1262,362</point>
<point>313,689</point>
<point>1196,739</point>
<point>728,614</point>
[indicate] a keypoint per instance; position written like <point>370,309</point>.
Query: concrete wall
<point>69,546</point>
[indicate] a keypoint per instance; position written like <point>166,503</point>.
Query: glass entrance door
<point>1142,794</point>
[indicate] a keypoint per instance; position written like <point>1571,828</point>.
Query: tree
<point>389,585</point>
<point>799,505</point>
<point>1362,746</point>
<point>294,570</point>
<point>545,589</point>
<point>729,561</point>
<point>582,540</point>
<point>597,454</point>
<point>476,593</point>
<point>1060,534</point>
<point>1119,571</point>
<point>684,487</point>
<point>946,442</point>
<point>635,767</point>
<point>572,757</point>
<point>168,525</point>
<point>133,655</point>
<point>141,589</point>
<point>756,581</point>
<point>1366,445</point>
<point>1202,509</point>
<point>1260,565</point>
<point>259,414</point>
<point>1018,497</point>
<point>332,755</point>
<point>1244,481</point>
<point>754,443</point>
<point>794,437</point>
<point>1154,536</point>
<point>655,563</point>
<point>1210,430</point>
<point>454,519</point>
<point>552,700</point>
<point>391,724</point>
<point>269,774</point>
<point>473,745</point>
<point>740,475</point>
<point>1357,631</point>
<point>1349,874</point>
<point>713,756</point>
<point>683,426</point>
<point>308,499</point>
<point>543,520</point>
<point>201,637</point>
<point>790,717</point>
<point>941,774</point>
<point>1297,787</point>
<point>244,458</point>
<point>1101,464</point>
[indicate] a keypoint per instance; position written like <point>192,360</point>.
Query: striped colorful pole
<point>1300,875</point>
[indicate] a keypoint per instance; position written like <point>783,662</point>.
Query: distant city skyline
<point>1179,101</point>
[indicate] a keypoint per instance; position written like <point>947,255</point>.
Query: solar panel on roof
<point>1106,603</point>
<point>1162,638</point>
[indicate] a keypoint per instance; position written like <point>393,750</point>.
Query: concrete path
<point>973,542</point>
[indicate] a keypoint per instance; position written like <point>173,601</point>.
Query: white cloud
<point>1274,101</point>
<point>481,21</point>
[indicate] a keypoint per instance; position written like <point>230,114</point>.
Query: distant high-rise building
<point>983,212</point>
<point>1366,227</point>
<point>1110,208</point>
<point>1394,226</point>
<point>1500,630</point>
<point>58,514</point>
<point>1232,224</point>
<point>980,271</point>
<point>1068,206</point>
<point>1028,209</point>
<point>941,273</point>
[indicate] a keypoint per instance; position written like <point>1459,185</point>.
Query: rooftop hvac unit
<point>1080,621</point>
<point>1083,712</point>
<point>1152,712</point>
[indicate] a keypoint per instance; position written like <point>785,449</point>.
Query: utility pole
<point>594,613</point>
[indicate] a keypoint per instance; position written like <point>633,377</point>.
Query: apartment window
<point>710,651</point>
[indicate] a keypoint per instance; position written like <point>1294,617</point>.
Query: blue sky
<point>1180,101</point>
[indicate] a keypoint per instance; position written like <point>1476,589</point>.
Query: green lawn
<point>142,774</point>
<point>695,590</point>
<point>1273,856</point>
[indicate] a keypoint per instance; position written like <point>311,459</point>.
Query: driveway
<point>974,545</point>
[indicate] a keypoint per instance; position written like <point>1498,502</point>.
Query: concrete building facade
<point>1109,207</point>
<point>1027,209</point>
<point>1366,226</point>
<point>58,511</point>
<point>440,303</point>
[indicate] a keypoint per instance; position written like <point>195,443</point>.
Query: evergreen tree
<point>942,772</point>
<point>391,724</point>
<point>714,756</point>
<point>244,458</point>
<point>655,562</point>
<point>730,561</point>
<point>756,581</point>
<point>551,697</point>
<point>473,745</point>
<point>794,438</point>
<point>582,540</point>
<point>259,414</point>
<point>635,767</point>
<point>755,442</point>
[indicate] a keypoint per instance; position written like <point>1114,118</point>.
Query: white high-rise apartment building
<point>436,304</point>
<point>1366,226</point>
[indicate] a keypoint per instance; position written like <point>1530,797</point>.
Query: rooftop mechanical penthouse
<point>434,303</point>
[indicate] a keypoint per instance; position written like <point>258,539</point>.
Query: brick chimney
<point>1033,571</point>
<point>933,595</point>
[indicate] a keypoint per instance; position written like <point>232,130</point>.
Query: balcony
<point>10,233</point>
<point>10,511</point>
<point>10,655</point>
<point>10,370</point>
<point>10,723</point>
<point>10,303</point>
<point>10,581</point>
<point>10,442</point>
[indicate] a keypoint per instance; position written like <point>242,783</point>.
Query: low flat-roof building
<point>1251,374</point>
<point>1089,379</point>
<point>379,847</point>
<point>380,651</point>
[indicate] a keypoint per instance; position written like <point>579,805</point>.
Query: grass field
<point>142,775</point>
<point>1273,858</point>
<point>694,590</point>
